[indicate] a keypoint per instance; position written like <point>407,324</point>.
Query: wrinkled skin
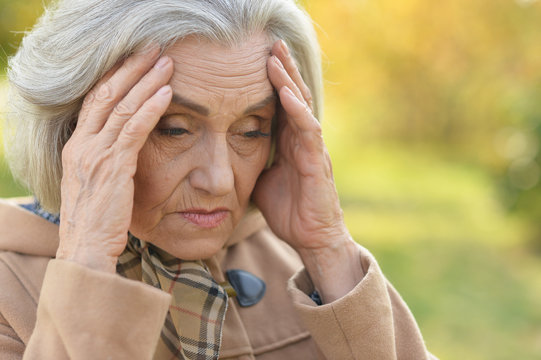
<point>180,174</point>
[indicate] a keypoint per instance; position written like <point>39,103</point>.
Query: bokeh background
<point>433,122</point>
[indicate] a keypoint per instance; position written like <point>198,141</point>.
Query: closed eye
<point>256,134</point>
<point>173,131</point>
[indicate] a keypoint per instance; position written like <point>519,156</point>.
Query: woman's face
<point>199,166</point>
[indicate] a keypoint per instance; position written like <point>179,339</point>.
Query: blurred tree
<point>463,76</point>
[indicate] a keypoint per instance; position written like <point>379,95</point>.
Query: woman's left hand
<point>297,194</point>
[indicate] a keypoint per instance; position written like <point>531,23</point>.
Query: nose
<point>214,173</point>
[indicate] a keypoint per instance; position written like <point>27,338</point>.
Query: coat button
<point>250,289</point>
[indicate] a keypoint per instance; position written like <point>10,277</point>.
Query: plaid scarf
<point>193,326</point>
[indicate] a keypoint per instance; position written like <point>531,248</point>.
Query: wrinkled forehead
<point>249,52</point>
<point>204,68</point>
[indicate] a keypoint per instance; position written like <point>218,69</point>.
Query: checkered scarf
<point>193,326</point>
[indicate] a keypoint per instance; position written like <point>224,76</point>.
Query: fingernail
<point>162,62</point>
<point>283,45</point>
<point>165,90</point>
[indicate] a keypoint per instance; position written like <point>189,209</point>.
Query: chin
<point>192,249</point>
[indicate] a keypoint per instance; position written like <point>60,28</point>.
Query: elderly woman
<point>181,179</point>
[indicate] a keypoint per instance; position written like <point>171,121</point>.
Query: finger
<point>136,130</point>
<point>299,115</point>
<point>281,51</point>
<point>91,95</point>
<point>279,77</point>
<point>110,92</point>
<point>279,130</point>
<point>151,82</point>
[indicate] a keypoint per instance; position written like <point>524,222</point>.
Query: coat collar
<point>25,232</point>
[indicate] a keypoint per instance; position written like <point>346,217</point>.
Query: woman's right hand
<point>100,159</point>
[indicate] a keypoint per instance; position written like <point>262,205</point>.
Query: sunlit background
<point>433,121</point>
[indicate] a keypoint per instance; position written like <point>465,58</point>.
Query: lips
<point>204,218</point>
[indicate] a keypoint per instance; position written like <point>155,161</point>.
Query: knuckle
<point>310,105</point>
<point>82,115</point>
<point>123,110</point>
<point>133,130</point>
<point>308,96</point>
<point>307,110</point>
<point>105,93</point>
<point>136,64</point>
<point>83,163</point>
<point>89,98</point>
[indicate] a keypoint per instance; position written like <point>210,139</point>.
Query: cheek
<point>247,148</point>
<point>248,169</point>
<point>156,177</point>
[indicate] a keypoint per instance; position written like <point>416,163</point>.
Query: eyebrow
<point>261,104</point>
<point>204,111</point>
<point>182,101</point>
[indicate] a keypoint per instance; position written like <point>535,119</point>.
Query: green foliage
<point>472,301</point>
<point>447,244</point>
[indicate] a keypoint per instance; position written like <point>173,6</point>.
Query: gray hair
<point>76,42</point>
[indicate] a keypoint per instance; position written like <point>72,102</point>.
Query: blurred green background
<point>433,122</point>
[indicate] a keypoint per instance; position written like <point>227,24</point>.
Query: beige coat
<point>54,309</point>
